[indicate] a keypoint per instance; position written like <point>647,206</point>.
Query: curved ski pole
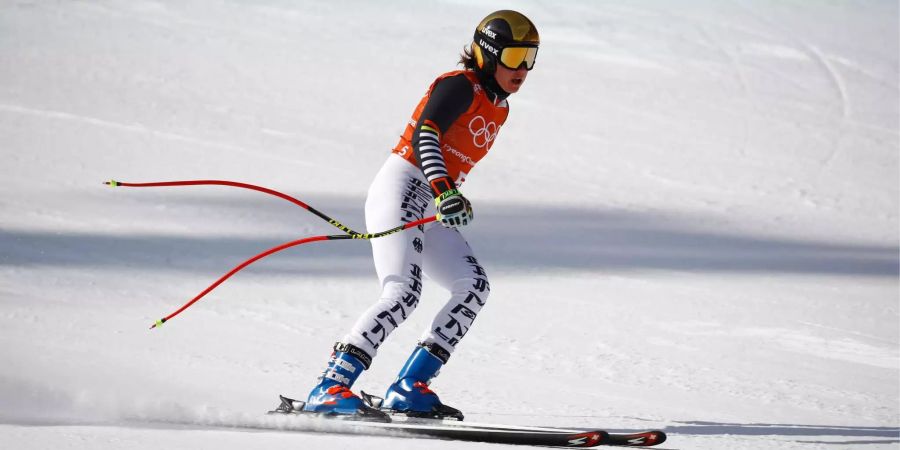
<point>287,245</point>
<point>252,187</point>
<point>350,233</point>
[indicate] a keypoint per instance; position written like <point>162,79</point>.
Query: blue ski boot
<point>410,394</point>
<point>332,396</point>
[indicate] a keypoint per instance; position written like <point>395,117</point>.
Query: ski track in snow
<point>136,128</point>
<point>830,72</point>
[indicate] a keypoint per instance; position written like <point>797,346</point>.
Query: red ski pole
<point>350,233</point>
<point>253,187</point>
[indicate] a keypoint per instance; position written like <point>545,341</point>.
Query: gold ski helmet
<point>507,38</point>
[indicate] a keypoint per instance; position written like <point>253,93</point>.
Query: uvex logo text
<point>488,47</point>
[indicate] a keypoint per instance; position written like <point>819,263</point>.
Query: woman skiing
<point>451,129</point>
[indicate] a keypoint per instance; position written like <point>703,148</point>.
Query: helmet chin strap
<point>489,82</point>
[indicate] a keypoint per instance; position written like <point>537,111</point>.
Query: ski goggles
<point>513,57</point>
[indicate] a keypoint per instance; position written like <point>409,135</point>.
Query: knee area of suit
<point>474,288</point>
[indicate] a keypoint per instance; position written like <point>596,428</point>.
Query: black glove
<point>453,210</point>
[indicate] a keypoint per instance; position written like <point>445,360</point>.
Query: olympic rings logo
<point>483,132</point>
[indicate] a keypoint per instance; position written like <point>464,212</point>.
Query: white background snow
<point>690,219</point>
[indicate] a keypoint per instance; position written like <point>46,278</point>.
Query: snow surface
<point>690,219</point>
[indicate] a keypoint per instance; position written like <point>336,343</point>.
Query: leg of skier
<point>397,195</point>
<point>450,262</point>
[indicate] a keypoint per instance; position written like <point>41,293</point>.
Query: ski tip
<point>660,437</point>
<point>588,439</point>
<point>644,439</point>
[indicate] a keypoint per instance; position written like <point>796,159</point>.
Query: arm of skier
<point>449,99</point>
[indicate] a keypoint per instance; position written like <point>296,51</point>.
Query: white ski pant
<point>399,194</point>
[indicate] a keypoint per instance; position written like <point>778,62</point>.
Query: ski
<point>641,439</point>
<point>477,432</point>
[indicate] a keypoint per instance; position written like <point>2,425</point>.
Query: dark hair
<point>467,59</point>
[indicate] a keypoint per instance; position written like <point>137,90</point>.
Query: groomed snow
<point>690,219</point>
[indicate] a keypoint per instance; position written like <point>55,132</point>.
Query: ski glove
<point>453,210</point>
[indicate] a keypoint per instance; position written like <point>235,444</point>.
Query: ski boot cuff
<point>355,352</point>
<point>436,350</point>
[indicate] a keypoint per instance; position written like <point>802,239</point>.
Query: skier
<point>451,129</point>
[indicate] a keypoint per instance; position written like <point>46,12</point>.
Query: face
<point>510,80</point>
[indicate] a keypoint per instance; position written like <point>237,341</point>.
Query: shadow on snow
<point>504,237</point>
<point>876,434</point>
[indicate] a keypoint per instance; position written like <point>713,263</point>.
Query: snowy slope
<point>690,219</point>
